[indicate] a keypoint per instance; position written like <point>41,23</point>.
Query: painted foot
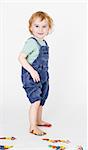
<point>37,131</point>
<point>44,124</point>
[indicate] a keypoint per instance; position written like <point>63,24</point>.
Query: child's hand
<point>35,75</point>
<point>28,67</point>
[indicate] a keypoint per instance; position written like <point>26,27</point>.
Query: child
<point>35,76</point>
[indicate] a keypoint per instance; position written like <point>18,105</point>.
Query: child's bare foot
<point>44,123</point>
<point>35,130</point>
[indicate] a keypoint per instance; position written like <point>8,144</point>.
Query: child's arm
<point>28,67</point>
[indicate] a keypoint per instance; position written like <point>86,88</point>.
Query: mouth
<point>40,33</point>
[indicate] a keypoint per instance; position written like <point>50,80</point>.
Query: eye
<point>36,26</point>
<point>44,26</point>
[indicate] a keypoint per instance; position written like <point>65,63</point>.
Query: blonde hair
<point>42,15</point>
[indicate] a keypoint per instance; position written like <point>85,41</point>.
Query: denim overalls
<point>37,90</point>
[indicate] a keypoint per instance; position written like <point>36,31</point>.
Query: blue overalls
<point>37,90</point>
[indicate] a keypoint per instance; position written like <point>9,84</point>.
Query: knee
<point>36,104</point>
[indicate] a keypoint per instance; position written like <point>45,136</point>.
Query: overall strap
<point>45,43</point>
<point>36,41</point>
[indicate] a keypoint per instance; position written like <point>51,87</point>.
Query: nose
<point>40,29</point>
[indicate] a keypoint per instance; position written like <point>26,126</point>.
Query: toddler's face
<point>40,28</point>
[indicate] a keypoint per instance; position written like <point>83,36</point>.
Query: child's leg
<point>39,114</point>
<point>44,95</point>
<point>33,117</point>
<point>39,117</point>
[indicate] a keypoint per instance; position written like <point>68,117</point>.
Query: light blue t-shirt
<point>31,49</point>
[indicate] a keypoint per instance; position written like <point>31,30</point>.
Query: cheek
<point>33,29</point>
<point>47,31</point>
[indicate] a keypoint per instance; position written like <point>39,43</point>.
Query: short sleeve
<point>29,46</point>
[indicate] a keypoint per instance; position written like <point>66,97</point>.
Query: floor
<point>15,123</point>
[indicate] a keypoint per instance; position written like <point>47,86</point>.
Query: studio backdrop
<point>66,104</point>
